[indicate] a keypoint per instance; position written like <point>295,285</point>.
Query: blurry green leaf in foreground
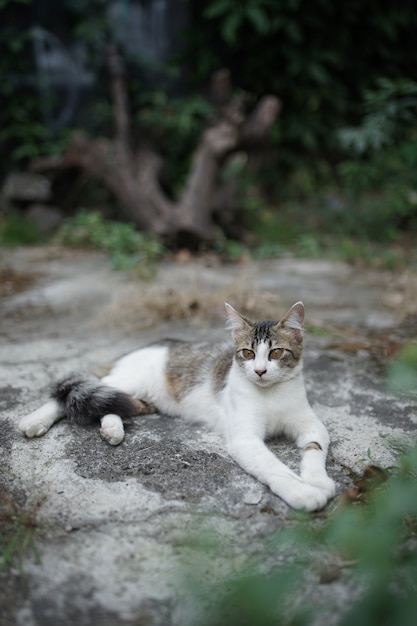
<point>372,545</point>
<point>402,374</point>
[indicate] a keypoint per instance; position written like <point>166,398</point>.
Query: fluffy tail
<point>85,400</point>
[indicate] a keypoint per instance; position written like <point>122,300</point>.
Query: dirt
<point>12,281</point>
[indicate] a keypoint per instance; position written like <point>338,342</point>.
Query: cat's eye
<point>247,354</point>
<point>276,353</point>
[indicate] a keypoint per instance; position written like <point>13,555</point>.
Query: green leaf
<point>259,19</point>
<point>402,375</point>
<point>217,9</point>
<point>231,26</point>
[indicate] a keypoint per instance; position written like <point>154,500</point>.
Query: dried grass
<point>401,294</point>
<point>409,304</point>
<point>12,281</point>
<point>146,305</point>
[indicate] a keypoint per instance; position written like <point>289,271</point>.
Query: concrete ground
<point>120,532</point>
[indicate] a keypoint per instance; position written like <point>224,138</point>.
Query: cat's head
<point>268,352</point>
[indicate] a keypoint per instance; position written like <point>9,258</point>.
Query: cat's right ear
<point>236,322</point>
<point>294,319</point>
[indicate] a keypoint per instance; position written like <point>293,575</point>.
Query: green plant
<point>16,230</point>
<point>402,372</point>
<point>389,110</point>
<point>128,248</point>
<point>23,134</point>
<point>378,180</point>
<point>374,538</point>
<point>233,17</point>
<point>308,245</point>
<point>17,526</point>
<point>298,51</point>
<point>380,538</point>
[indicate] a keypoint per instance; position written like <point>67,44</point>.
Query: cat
<point>250,389</point>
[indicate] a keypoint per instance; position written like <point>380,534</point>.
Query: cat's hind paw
<point>33,426</point>
<point>40,421</point>
<point>112,429</point>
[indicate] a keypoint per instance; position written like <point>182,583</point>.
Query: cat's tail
<point>85,400</point>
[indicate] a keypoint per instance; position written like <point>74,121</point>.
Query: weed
<point>16,230</point>
<point>402,374</point>
<point>128,248</point>
<point>308,245</point>
<point>17,527</point>
<point>374,537</point>
<point>318,331</point>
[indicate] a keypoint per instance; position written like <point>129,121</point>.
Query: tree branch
<point>134,178</point>
<point>118,90</point>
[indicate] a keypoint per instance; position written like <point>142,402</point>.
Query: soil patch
<point>12,281</point>
<point>155,454</point>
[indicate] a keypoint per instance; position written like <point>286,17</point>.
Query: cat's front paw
<point>309,499</point>
<point>302,496</point>
<point>324,483</point>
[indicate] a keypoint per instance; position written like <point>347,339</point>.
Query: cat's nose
<point>260,372</point>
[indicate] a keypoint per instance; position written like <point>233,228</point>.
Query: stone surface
<point>120,530</point>
<point>27,187</point>
<point>46,218</point>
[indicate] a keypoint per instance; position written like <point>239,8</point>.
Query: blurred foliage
<point>402,373</point>
<point>345,146</point>
<point>18,525</point>
<point>128,248</point>
<point>370,544</point>
<point>318,56</point>
<point>342,156</point>
<point>379,183</point>
<point>369,198</point>
<point>23,134</point>
<point>389,109</point>
<point>16,230</point>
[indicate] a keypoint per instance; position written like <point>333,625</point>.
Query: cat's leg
<point>251,453</point>
<point>314,443</point>
<point>40,421</point>
<point>245,433</point>
<point>112,429</point>
<point>312,468</point>
<point>131,385</point>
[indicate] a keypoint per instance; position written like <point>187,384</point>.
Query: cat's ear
<point>236,322</point>
<point>294,319</point>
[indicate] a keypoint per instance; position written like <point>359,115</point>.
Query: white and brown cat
<point>249,390</point>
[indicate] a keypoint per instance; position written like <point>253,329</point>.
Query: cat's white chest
<point>276,407</point>
<point>265,410</point>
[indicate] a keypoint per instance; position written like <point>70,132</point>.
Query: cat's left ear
<point>294,319</point>
<point>236,322</point>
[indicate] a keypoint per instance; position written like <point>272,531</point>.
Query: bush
<point>318,56</point>
<point>374,537</point>
<point>128,248</point>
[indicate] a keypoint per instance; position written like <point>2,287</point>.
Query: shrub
<point>127,247</point>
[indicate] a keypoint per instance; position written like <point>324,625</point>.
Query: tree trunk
<point>133,178</point>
